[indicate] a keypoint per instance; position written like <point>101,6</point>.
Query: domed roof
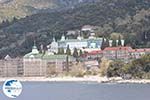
<point>63,38</point>
<point>34,50</point>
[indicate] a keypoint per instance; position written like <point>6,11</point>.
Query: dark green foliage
<point>105,44</point>
<point>133,20</point>
<point>119,41</point>
<point>75,53</point>
<point>114,69</point>
<point>80,53</point>
<point>114,43</point>
<point>68,51</point>
<point>139,68</point>
<point>67,63</point>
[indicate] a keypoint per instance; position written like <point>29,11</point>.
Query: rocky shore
<point>78,79</point>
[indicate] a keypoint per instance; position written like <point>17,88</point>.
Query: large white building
<point>92,43</point>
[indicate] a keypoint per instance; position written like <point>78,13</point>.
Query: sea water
<point>81,91</point>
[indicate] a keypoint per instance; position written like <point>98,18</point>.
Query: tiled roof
<point>117,48</point>
<point>95,52</point>
<point>141,50</point>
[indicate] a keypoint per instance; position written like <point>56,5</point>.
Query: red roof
<point>95,52</point>
<point>117,48</point>
<point>141,50</point>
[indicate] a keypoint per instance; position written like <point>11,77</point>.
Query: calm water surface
<point>81,91</point>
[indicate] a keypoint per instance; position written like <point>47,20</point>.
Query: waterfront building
<point>119,52</point>
<point>33,64</point>
<point>39,64</point>
<point>124,53</point>
<point>138,53</point>
<point>93,55</point>
<point>11,67</point>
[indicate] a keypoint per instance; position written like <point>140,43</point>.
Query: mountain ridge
<point>22,8</point>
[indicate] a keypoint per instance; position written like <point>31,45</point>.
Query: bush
<point>77,70</point>
<point>115,69</point>
<point>139,68</point>
<point>104,66</point>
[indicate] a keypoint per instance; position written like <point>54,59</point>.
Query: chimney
<point>122,42</point>
<point>110,43</point>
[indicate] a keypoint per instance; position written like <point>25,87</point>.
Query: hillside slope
<point>131,18</point>
<point>22,8</point>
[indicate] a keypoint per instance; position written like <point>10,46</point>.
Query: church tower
<point>63,38</point>
<point>34,49</point>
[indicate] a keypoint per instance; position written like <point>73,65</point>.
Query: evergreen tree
<point>67,63</point>
<point>105,43</point>
<point>114,43</point>
<point>81,52</point>
<point>75,53</point>
<point>68,51</point>
<point>119,41</point>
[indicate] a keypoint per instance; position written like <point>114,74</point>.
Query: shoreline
<point>79,79</point>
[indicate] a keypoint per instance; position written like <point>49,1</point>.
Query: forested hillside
<point>131,18</point>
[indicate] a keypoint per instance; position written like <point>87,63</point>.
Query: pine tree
<point>119,41</point>
<point>114,43</point>
<point>67,63</point>
<point>68,51</point>
<point>75,53</point>
<point>81,52</point>
<point>105,43</point>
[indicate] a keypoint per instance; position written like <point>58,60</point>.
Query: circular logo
<point>12,88</point>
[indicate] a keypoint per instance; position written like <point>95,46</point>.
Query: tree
<point>115,69</point>
<point>67,63</point>
<point>105,43</point>
<point>68,51</point>
<point>104,64</point>
<point>80,53</point>
<point>119,41</point>
<point>114,43</point>
<point>75,53</point>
